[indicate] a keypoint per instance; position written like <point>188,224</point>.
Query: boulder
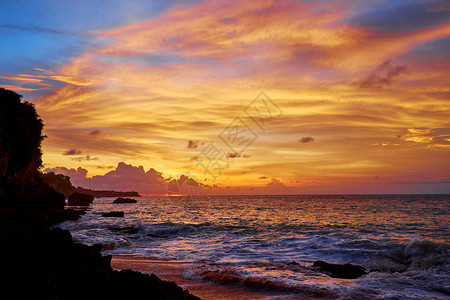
<point>50,201</point>
<point>66,215</point>
<point>114,214</point>
<point>79,199</point>
<point>124,200</point>
<point>346,271</point>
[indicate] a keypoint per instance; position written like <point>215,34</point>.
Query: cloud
<point>20,79</point>
<point>422,182</point>
<point>192,144</point>
<point>73,152</point>
<point>275,185</point>
<point>125,177</point>
<point>263,177</point>
<point>18,88</point>
<point>77,176</point>
<point>306,139</point>
<point>235,155</point>
<point>433,137</point>
<point>85,158</point>
<point>152,91</point>
<point>383,75</point>
<point>94,132</point>
<point>105,167</point>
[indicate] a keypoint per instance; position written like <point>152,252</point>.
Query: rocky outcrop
<point>114,214</point>
<point>78,199</point>
<point>39,262</point>
<point>101,193</point>
<point>124,200</point>
<point>346,271</point>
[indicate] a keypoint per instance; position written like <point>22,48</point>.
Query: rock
<point>346,271</point>
<point>78,199</point>
<point>50,201</point>
<point>67,215</point>
<point>114,214</point>
<point>124,200</point>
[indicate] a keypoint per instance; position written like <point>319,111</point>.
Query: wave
<point>417,255</point>
<point>231,276</point>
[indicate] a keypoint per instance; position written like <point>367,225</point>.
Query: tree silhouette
<point>20,135</point>
<point>59,183</point>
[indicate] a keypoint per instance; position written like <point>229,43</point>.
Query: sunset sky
<point>354,95</point>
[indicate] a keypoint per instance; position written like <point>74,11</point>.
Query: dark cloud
<point>85,158</point>
<point>383,75</point>
<point>94,132</point>
<point>192,144</point>
<point>306,139</point>
<point>73,152</point>
<point>263,177</point>
<point>235,154</point>
<point>422,182</point>
<point>105,167</point>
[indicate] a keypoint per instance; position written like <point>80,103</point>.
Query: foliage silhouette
<point>20,135</point>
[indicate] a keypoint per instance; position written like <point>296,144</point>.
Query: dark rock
<point>124,229</point>
<point>124,200</point>
<point>66,215</point>
<point>78,199</point>
<point>81,212</point>
<point>44,263</point>
<point>346,271</point>
<point>49,201</point>
<point>114,214</point>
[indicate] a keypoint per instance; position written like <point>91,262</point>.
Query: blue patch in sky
<point>155,59</point>
<point>49,33</point>
<point>440,47</point>
<point>403,16</point>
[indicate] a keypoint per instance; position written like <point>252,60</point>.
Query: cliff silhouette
<point>41,261</point>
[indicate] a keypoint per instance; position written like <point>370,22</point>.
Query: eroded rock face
<point>79,199</point>
<point>346,271</point>
<point>124,200</point>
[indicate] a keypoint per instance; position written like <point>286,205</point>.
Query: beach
<point>173,271</point>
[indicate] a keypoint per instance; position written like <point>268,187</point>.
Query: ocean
<point>268,243</point>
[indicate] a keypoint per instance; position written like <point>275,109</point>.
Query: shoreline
<point>170,270</point>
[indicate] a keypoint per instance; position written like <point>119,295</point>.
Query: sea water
<point>268,243</point>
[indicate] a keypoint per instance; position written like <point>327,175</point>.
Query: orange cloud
<point>21,79</point>
<point>185,75</point>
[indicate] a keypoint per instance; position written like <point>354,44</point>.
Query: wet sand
<point>173,271</point>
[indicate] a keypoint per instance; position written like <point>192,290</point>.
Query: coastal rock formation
<point>44,263</point>
<point>114,214</point>
<point>78,199</point>
<point>124,200</point>
<point>346,271</point>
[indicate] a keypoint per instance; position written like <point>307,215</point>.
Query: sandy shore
<point>173,271</point>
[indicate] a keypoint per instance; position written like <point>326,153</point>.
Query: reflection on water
<point>251,240</point>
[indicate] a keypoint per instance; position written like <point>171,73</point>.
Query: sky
<point>254,97</point>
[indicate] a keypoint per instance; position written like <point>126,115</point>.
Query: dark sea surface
<point>252,241</point>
